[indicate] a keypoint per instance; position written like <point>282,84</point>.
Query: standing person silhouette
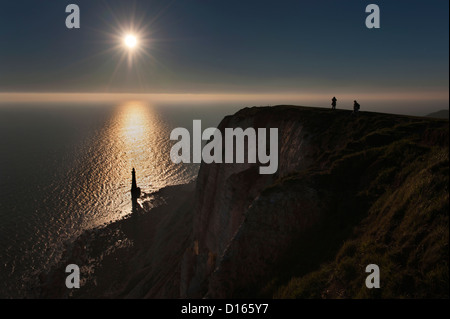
<point>356,107</point>
<point>333,103</point>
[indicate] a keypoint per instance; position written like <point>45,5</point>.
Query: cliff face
<point>226,192</point>
<point>254,235</point>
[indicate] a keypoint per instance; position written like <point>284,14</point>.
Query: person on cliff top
<point>333,103</point>
<point>356,107</point>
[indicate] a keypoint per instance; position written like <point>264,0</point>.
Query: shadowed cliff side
<point>349,191</point>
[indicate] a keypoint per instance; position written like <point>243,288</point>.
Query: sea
<point>66,168</point>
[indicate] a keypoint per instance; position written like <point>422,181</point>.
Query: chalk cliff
<point>340,178</point>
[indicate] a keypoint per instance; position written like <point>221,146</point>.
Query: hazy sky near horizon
<point>226,46</point>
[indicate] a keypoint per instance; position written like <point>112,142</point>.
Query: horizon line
<point>224,96</point>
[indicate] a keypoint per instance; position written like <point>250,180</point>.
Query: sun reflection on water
<point>97,187</point>
<point>138,135</point>
<point>135,130</point>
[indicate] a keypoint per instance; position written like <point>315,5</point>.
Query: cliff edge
<point>349,191</point>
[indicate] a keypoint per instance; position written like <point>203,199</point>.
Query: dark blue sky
<point>226,46</point>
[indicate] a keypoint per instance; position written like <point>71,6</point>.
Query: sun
<point>130,41</point>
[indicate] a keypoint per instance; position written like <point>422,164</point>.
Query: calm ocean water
<point>65,168</point>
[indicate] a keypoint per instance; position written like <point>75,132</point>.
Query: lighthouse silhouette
<point>135,191</point>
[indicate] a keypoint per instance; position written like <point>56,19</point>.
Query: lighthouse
<point>135,191</point>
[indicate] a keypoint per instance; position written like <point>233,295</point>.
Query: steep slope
<point>349,191</point>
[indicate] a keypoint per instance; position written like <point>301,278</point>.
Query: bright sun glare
<point>130,41</point>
